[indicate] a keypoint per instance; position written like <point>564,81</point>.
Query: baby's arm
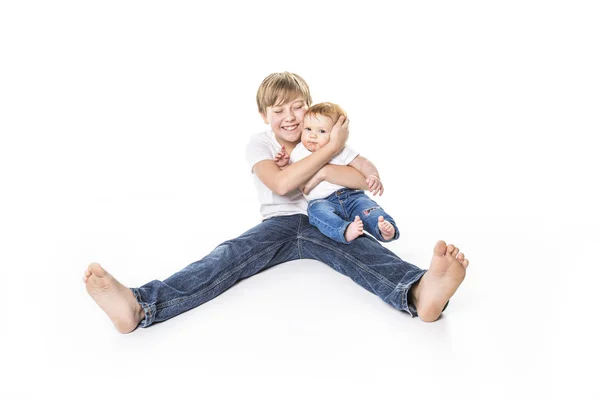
<point>369,171</point>
<point>282,158</point>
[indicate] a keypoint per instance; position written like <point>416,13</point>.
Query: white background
<point>123,127</point>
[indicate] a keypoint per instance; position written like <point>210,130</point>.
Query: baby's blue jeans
<point>274,241</point>
<point>333,214</point>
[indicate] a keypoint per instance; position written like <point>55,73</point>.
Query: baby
<point>331,206</point>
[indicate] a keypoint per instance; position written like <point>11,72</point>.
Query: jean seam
<point>298,236</point>
<point>360,265</point>
<point>178,300</point>
<point>146,307</point>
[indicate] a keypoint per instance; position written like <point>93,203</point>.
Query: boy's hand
<point>282,158</point>
<point>339,133</point>
<point>375,185</point>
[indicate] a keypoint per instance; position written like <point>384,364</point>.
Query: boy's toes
<point>465,263</point>
<point>440,248</point>
<point>455,252</point>
<point>86,275</point>
<point>97,270</point>
<point>450,249</point>
<point>460,257</point>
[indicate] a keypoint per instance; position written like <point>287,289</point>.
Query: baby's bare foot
<point>445,274</point>
<point>117,301</point>
<point>354,230</point>
<point>387,230</point>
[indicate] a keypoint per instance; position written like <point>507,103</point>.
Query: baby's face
<point>317,129</point>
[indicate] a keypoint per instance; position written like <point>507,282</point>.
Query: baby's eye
<point>322,131</point>
<point>307,129</point>
<point>277,111</point>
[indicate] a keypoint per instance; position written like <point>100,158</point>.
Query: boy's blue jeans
<point>333,214</point>
<point>274,241</point>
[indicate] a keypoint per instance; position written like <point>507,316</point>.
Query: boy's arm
<point>338,174</point>
<point>283,181</point>
<point>369,171</point>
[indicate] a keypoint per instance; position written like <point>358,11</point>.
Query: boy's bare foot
<point>354,230</point>
<point>117,301</point>
<point>387,230</point>
<point>434,289</point>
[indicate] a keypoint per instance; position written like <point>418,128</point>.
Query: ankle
<point>141,314</point>
<point>414,294</point>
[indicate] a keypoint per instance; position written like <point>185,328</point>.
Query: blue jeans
<point>333,214</point>
<point>274,241</point>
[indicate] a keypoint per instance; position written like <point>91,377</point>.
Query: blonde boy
<point>285,233</point>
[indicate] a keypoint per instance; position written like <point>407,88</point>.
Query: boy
<point>332,206</point>
<point>285,234</point>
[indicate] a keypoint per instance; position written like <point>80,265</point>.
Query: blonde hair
<point>330,110</point>
<point>280,88</point>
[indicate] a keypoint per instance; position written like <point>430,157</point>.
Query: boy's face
<point>317,129</point>
<point>286,119</point>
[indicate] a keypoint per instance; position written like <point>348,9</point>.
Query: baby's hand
<point>282,158</point>
<point>375,185</point>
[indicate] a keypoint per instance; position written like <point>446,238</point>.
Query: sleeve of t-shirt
<point>344,157</point>
<point>257,150</point>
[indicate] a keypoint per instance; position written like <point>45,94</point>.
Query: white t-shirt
<point>264,146</point>
<point>323,189</point>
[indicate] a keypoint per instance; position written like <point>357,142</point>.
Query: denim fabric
<point>333,214</point>
<point>274,241</point>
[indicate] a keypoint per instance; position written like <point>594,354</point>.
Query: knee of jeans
<point>371,212</point>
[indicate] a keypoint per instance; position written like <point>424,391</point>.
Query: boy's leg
<point>366,262</point>
<point>272,242</point>
<point>323,214</point>
<point>369,211</point>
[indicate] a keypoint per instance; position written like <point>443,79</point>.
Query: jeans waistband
<point>345,192</point>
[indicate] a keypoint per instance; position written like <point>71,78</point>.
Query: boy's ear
<point>264,117</point>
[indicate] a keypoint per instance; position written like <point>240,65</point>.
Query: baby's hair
<point>280,88</point>
<point>330,110</point>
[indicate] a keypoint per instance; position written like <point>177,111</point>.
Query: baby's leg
<point>325,216</point>
<point>377,222</point>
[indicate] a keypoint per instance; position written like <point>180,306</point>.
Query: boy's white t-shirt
<point>264,146</point>
<point>323,189</point>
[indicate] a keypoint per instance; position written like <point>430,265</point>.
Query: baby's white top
<point>264,146</point>
<point>323,189</point>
